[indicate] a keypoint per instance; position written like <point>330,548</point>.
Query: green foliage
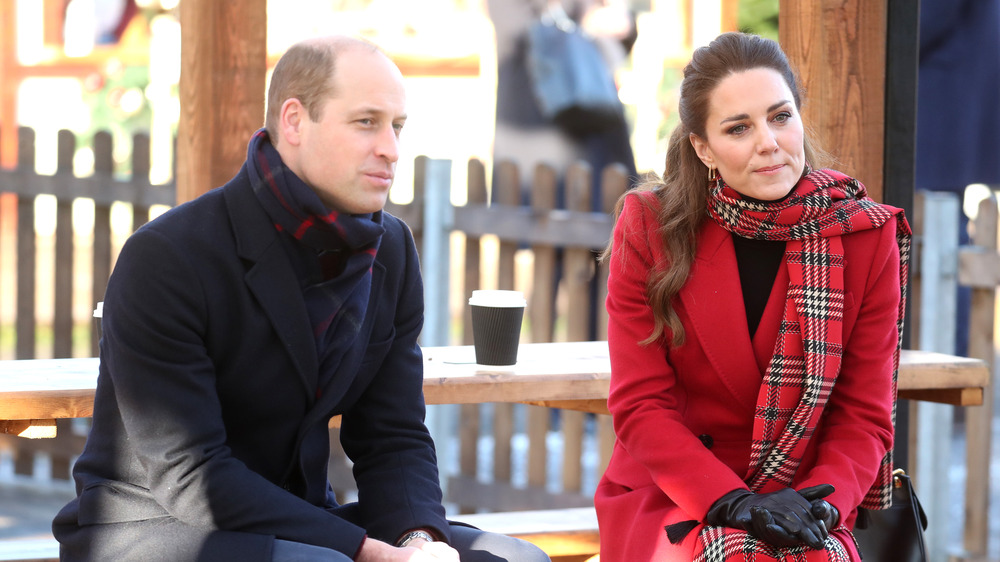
<point>760,17</point>
<point>669,91</point>
<point>118,104</point>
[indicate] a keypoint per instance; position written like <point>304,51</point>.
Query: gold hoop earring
<point>712,176</point>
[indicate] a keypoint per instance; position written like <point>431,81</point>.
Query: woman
<point>755,311</point>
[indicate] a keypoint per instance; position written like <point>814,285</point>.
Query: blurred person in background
<point>958,115</point>
<point>523,135</point>
<point>527,138</point>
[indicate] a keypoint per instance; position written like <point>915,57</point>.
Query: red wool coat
<point>684,416</point>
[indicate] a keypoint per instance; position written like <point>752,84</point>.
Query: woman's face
<point>754,134</point>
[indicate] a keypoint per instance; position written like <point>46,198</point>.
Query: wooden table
<point>577,375</point>
<point>34,393</point>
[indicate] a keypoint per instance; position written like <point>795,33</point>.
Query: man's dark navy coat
<point>210,430</point>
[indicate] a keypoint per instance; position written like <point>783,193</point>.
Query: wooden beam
<point>839,50</point>
<point>30,429</point>
<point>9,83</point>
<point>952,396</point>
<point>983,343</point>
<point>53,15</point>
<point>559,532</point>
<point>730,15</point>
<point>223,70</point>
<point>978,267</point>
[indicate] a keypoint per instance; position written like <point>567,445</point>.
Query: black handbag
<point>895,534</point>
<point>569,77</point>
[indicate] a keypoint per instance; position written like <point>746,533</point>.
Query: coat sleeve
<point>645,399</point>
<point>395,464</point>
<point>856,429</point>
<point>164,383</point>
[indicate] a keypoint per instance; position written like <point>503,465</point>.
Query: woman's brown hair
<point>682,193</point>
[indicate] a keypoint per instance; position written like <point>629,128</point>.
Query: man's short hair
<point>305,72</point>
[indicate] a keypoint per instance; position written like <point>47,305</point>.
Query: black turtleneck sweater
<point>758,262</point>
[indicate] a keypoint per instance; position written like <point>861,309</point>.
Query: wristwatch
<point>413,535</point>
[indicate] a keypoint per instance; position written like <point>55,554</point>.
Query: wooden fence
<point>562,244</point>
<point>495,470</point>
<point>939,266</point>
<point>578,233</point>
<point>20,188</point>
<point>979,269</point>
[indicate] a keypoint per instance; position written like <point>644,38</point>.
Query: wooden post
<point>839,51</point>
<point>508,192</point>
<point>25,324</point>
<point>983,345</point>
<point>578,272</point>
<point>730,15</point>
<point>468,430</point>
<point>102,261</point>
<point>63,265</point>
<point>9,83</point>
<point>932,423</point>
<point>614,183</point>
<point>542,312</point>
<point>223,69</point>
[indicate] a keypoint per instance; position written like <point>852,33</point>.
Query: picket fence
<point>565,282</point>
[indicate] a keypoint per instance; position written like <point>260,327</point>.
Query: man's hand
<point>418,550</point>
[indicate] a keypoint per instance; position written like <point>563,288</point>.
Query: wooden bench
<point>566,535</point>
<point>29,550</point>
<point>64,388</point>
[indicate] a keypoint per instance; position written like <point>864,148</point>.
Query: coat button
<point>706,440</point>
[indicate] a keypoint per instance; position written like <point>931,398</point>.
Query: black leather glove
<point>782,518</point>
<point>820,508</point>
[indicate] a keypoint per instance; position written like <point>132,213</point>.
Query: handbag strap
<point>903,486</point>
<point>902,490</point>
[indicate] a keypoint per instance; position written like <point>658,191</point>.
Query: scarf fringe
<point>677,531</point>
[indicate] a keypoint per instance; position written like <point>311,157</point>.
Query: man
<point>237,324</point>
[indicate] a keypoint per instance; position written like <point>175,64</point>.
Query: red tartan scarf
<point>822,207</point>
<point>333,252</point>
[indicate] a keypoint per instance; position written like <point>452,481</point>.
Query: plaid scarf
<point>334,252</point>
<point>822,207</point>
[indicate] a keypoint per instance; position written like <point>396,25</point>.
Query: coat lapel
<point>713,301</point>
<point>271,279</point>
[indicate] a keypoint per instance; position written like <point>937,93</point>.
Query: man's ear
<point>701,149</point>
<point>292,116</point>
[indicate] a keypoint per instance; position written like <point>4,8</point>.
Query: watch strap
<point>413,535</point>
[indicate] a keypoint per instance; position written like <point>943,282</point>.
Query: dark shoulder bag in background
<point>569,77</point>
<point>895,534</point>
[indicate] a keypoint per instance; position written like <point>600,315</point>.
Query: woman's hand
<point>820,508</point>
<point>782,518</point>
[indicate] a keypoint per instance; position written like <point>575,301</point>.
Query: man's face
<point>348,156</point>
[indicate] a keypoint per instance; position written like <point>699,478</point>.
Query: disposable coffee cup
<point>496,325</point>
<point>98,314</point>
